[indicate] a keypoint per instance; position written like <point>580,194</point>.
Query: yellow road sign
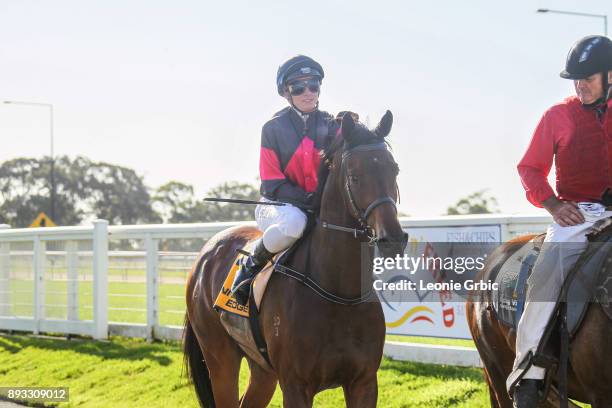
<point>42,221</point>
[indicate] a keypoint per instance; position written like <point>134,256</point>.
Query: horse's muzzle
<point>391,246</point>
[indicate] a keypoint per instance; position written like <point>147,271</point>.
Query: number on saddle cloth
<point>509,300</point>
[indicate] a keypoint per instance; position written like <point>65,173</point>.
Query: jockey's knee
<point>293,224</point>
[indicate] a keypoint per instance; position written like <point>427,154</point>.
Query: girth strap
<point>260,341</point>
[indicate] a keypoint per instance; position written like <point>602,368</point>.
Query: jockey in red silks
<point>288,164</point>
<point>577,134</point>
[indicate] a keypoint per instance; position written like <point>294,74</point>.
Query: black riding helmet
<point>588,56</point>
<point>297,66</point>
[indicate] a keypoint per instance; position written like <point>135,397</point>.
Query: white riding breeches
<point>546,280</point>
<point>282,225</point>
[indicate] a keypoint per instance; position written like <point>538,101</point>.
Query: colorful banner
<point>422,312</point>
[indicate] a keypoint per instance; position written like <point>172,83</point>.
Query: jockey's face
<point>589,89</point>
<point>305,102</point>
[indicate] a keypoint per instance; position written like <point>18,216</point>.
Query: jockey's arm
<point>535,166</point>
<point>275,185</point>
<point>537,161</point>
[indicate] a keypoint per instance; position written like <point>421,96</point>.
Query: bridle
<point>366,230</point>
<point>360,215</point>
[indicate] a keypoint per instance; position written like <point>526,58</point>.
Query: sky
<point>179,90</point>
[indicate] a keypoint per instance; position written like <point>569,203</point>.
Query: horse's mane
<point>361,135</point>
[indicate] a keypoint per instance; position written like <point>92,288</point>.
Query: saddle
<point>590,279</point>
<point>242,322</point>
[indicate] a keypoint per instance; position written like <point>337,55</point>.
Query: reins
<point>366,231</point>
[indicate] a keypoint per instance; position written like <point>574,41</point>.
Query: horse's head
<point>363,170</point>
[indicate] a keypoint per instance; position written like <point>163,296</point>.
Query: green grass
<point>132,373</point>
<point>171,298</point>
<point>431,340</point>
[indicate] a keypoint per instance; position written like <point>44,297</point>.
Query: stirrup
<point>242,292</point>
<point>244,273</point>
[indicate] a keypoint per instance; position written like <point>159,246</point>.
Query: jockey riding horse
<point>577,134</point>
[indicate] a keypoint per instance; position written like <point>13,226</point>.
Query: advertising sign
<point>418,306</point>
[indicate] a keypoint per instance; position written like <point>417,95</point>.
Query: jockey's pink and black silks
<point>290,153</point>
<point>581,144</point>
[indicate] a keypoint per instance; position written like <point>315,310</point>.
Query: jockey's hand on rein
<point>565,213</point>
<point>309,201</point>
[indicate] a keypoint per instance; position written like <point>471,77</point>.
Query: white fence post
<point>72,282</point>
<point>38,264</point>
<point>100,283</point>
<point>5,276</point>
<point>151,247</point>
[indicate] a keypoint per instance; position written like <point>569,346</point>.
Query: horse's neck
<point>336,258</point>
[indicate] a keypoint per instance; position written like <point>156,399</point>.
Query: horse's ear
<point>348,125</point>
<point>384,127</point>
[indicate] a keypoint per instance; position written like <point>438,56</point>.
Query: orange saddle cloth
<point>225,301</point>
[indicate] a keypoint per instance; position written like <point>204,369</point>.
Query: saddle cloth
<point>588,280</point>
<point>236,319</point>
<point>225,301</point>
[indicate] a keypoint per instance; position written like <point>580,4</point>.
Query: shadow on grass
<point>135,350</point>
<point>431,370</point>
<point>6,345</point>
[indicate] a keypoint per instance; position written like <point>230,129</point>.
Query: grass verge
<point>132,373</point>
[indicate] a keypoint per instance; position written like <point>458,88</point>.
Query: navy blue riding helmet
<point>588,56</point>
<point>295,67</point>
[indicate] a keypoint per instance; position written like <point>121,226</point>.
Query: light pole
<point>575,13</point>
<point>52,172</point>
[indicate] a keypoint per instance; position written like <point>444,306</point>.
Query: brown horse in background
<point>313,343</point>
<point>590,359</point>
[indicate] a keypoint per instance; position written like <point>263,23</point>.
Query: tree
<point>175,202</point>
<point>479,202</point>
<point>25,191</point>
<point>116,194</point>
<point>209,212</point>
<point>84,190</point>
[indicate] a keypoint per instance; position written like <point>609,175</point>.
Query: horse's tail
<point>197,371</point>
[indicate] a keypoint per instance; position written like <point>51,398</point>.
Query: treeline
<point>86,190</point>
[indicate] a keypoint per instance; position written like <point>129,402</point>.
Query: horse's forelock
<point>360,136</point>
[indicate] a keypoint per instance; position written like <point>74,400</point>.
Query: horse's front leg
<point>296,396</point>
<point>362,393</point>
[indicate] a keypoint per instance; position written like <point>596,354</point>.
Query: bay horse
<point>589,377</point>
<point>313,343</point>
